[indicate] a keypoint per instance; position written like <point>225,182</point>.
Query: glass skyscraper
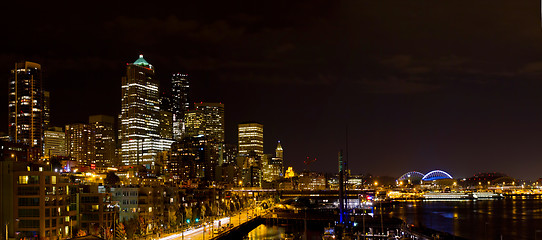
<point>179,102</point>
<point>26,105</point>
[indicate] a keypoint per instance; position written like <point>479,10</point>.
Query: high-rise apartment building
<point>80,142</point>
<point>26,105</point>
<point>104,143</point>
<point>250,138</point>
<point>54,142</point>
<point>140,116</point>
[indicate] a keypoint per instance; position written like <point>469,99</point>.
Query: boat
<point>446,196</point>
<point>479,195</point>
<point>460,195</point>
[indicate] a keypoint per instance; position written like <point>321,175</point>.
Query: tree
<point>142,226</point>
<point>111,179</point>
<point>81,233</point>
<point>120,232</point>
<point>131,226</point>
<point>188,214</point>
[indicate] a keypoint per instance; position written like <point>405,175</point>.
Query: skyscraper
<point>46,109</point>
<point>179,94</point>
<point>80,141</point>
<point>250,138</point>
<point>166,124</point>
<point>26,105</point>
<point>140,115</point>
<point>206,119</point>
<point>54,142</point>
<point>104,139</point>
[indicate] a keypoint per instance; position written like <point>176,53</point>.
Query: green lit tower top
<point>140,114</point>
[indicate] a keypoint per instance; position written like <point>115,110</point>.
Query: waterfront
<point>511,217</point>
<point>273,231</point>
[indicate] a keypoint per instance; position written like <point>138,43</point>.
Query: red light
<point>93,166</point>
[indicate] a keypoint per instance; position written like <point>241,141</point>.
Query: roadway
<point>206,232</point>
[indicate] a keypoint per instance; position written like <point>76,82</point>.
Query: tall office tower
<point>206,119</point>
<point>104,142</point>
<point>166,124</point>
<point>80,141</point>
<point>54,142</point>
<point>140,116</point>
<point>250,138</point>
<point>46,109</point>
<point>179,102</point>
<point>26,105</point>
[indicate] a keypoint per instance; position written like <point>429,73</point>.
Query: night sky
<point>421,85</point>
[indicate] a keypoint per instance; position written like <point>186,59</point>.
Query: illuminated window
<point>23,180</point>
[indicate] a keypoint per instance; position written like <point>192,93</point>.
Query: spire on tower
<point>278,151</point>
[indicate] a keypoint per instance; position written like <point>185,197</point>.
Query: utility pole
<point>341,187</point>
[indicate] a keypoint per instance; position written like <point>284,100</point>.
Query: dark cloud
<point>394,85</point>
<point>415,80</point>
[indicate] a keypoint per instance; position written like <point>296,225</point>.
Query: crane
<point>308,161</point>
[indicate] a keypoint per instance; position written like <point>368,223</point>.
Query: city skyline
<point>418,86</point>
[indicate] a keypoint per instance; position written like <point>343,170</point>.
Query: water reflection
<point>513,218</point>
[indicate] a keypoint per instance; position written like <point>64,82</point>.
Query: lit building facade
<point>188,160</point>
<point>39,206</point>
<point>104,142</point>
<point>310,181</point>
<point>250,137</point>
<point>206,119</point>
<point>46,109</point>
<point>54,142</point>
<point>273,167</point>
<point>96,211</point>
<point>180,104</point>
<point>166,124</point>
<point>26,105</point>
<point>80,142</point>
<point>140,116</point>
